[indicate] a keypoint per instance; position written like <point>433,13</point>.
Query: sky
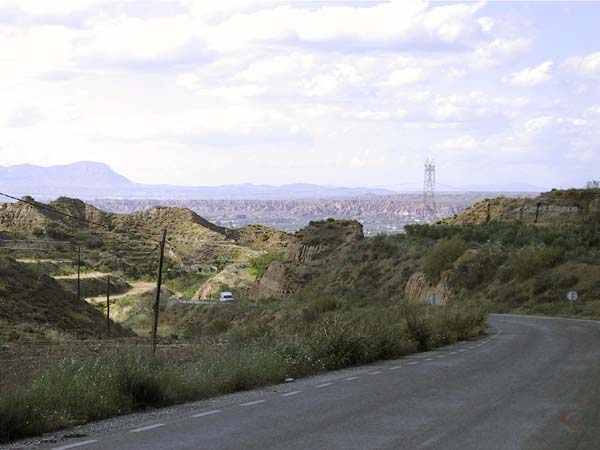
<point>348,93</point>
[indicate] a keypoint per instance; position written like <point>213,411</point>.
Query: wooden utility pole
<point>78,273</point>
<point>158,285</point>
<point>108,306</point>
<point>521,213</point>
<point>537,212</point>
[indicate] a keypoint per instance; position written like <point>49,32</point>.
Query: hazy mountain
<point>90,180</point>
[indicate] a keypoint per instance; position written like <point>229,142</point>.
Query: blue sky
<point>344,93</point>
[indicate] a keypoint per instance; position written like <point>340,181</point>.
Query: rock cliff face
<point>281,279</point>
<point>308,246</point>
<point>301,253</point>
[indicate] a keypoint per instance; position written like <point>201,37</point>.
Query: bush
<point>477,266</point>
<point>529,260</point>
<point>260,264</point>
<point>442,255</point>
<point>316,307</point>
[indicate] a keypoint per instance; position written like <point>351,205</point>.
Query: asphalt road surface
<point>532,383</point>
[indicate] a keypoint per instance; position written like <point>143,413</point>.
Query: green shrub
<point>259,264</point>
<point>316,307</point>
<point>477,266</point>
<point>441,256</point>
<point>529,260</point>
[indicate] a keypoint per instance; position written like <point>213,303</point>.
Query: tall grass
<point>84,389</point>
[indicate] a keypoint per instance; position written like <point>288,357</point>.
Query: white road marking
<point>149,427</point>
<point>395,367</point>
<point>441,356</point>
<point>375,372</point>
<point>471,348</point>
<point>255,402</point>
<point>77,444</point>
<point>413,363</point>
<point>207,413</point>
<point>287,394</point>
<point>350,378</point>
<point>462,350</point>
<point>324,385</point>
<point>429,359</point>
<point>453,353</point>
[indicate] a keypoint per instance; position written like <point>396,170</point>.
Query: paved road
<point>533,383</point>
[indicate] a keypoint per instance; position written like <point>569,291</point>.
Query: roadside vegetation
<point>125,380</point>
<point>511,267</point>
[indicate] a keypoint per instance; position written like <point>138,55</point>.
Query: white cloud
<point>585,66</point>
<point>382,25</point>
<point>486,23</point>
<point>462,144</point>
<point>498,51</point>
<point>533,76</point>
<point>398,114</point>
<point>24,116</point>
<point>593,111</point>
<point>408,75</point>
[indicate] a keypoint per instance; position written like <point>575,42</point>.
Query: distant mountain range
<point>93,180</point>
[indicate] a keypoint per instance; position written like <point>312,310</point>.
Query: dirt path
<point>137,288</point>
<point>83,275</point>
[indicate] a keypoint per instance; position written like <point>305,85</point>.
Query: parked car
<point>226,296</point>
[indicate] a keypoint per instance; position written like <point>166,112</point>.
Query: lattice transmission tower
<point>429,207</point>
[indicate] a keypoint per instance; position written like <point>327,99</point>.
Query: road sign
<point>433,298</point>
<point>571,296</point>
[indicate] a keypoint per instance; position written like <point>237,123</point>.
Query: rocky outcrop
<point>280,279</point>
<point>312,242</point>
<point>302,253</point>
<point>557,207</point>
<point>20,216</point>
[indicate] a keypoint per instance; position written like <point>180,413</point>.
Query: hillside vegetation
<point>503,263</point>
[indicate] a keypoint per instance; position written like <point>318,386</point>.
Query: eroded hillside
<point>503,262</point>
<point>35,306</point>
<point>201,258</point>
<point>557,207</point>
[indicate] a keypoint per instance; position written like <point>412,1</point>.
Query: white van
<point>226,296</point>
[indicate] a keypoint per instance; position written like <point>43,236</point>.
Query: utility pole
<point>158,285</point>
<point>78,272</point>
<point>108,306</point>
